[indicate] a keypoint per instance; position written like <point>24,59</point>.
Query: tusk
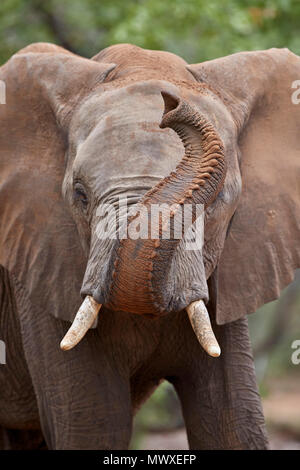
<point>200,322</point>
<point>84,319</point>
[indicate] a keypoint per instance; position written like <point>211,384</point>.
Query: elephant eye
<point>80,195</point>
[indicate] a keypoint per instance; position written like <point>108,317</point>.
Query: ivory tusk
<point>84,319</point>
<point>200,322</point>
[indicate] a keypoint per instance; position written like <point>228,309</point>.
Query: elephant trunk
<point>140,267</point>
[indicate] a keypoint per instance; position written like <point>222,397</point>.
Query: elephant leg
<point>220,401</point>
<point>83,402</point>
<point>83,395</point>
<point>15,439</point>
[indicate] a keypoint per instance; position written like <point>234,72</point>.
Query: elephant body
<point>113,372</point>
<point>146,127</point>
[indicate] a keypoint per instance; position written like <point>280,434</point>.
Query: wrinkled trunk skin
<point>141,267</point>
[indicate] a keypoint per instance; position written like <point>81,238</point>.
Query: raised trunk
<point>141,266</point>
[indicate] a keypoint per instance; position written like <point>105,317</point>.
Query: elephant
<point>131,129</point>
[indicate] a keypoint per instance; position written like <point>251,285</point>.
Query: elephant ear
<point>39,243</point>
<point>262,248</point>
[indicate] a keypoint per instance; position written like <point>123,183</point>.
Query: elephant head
<point>145,128</point>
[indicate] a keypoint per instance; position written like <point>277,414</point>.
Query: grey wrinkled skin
<point>86,398</point>
<point>94,125</point>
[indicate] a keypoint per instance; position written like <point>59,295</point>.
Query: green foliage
<point>195,29</point>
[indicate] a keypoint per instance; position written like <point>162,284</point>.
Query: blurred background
<point>197,30</point>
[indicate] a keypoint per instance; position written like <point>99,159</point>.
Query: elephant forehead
<point>126,138</point>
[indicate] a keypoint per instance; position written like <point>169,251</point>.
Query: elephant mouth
<point>197,313</point>
<point>139,268</point>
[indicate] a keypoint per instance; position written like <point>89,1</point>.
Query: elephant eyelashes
<point>80,196</point>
